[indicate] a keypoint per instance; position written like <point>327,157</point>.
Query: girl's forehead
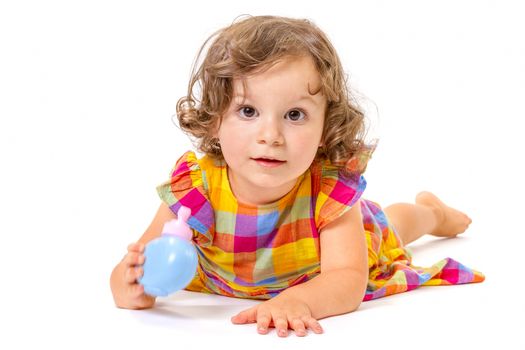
<point>299,72</point>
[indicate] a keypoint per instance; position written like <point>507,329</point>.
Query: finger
<point>142,301</point>
<point>264,318</point>
<point>313,324</point>
<point>136,247</point>
<point>132,259</point>
<point>246,316</point>
<point>133,274</point>
<point>281,323</point>
<point>146,301</point>
<point>298,326</point>
<point>137,291</point>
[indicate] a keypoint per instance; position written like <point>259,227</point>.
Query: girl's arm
<point>339,288</point>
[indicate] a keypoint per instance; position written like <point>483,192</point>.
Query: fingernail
<point>282,332</point>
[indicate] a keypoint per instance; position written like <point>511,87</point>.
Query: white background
<point>87,91</point>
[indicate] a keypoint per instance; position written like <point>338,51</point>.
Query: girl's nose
<point>270,131</point>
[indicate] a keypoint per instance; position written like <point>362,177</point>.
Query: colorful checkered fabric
<point>256,252</point>
<point>390,267</point>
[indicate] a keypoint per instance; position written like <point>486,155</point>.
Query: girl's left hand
<point>283,312</point>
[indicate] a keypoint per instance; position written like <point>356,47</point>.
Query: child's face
<point>271,131</point>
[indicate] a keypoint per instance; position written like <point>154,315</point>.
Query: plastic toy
<point>171,259</point>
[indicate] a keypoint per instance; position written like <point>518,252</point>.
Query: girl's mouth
<point>269,163</point>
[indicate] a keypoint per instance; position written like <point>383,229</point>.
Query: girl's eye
<point>295,115</point>
<point>247,112</point>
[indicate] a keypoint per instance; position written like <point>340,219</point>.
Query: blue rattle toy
<point>171,259</point>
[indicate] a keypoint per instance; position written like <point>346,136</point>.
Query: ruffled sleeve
<point>187,186</point>
<point>336,193</point>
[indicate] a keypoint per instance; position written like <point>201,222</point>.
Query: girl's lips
<point>269,163</point>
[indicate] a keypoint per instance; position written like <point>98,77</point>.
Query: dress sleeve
<point>337,194</point>
<point>186,186</point>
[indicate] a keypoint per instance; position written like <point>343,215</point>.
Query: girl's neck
<point>253,195</point>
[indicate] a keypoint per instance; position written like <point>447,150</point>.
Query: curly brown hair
<point>253,45</point>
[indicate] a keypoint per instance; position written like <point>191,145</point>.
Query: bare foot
<point>451,222</point>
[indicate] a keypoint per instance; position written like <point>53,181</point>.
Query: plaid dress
<point>256,252</point>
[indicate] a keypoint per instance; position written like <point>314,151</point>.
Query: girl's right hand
<point>127,292</point>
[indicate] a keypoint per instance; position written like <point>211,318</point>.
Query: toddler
<point>276,206</point>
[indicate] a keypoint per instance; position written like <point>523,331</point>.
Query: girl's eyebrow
<point>300,98</point>
<point>310,99</point>
<point>307,97</point>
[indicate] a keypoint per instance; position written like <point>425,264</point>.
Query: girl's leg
<point>429,215</point>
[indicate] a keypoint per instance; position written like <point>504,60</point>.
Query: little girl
<point>277,212</point>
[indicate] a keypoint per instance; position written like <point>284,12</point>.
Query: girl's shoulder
<point>335,191</point>
<point>335,180</point>
<point>188,186</point>
<point>189,169</point>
